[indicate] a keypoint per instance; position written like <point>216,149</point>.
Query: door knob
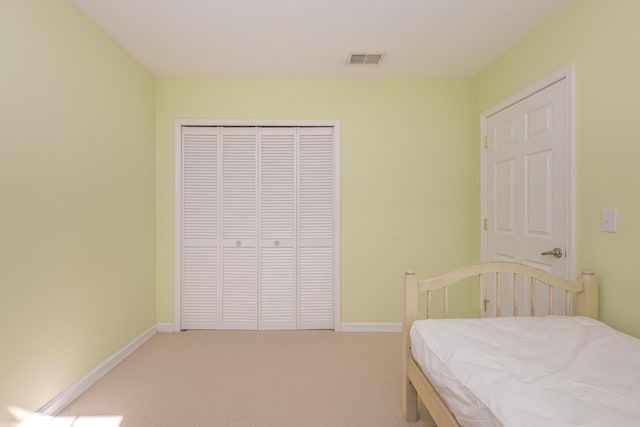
<point>556,252</point>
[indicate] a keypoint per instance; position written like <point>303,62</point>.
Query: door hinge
<point>486,141</point>
<point>485,224</point>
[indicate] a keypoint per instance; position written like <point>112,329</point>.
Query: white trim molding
<point>59,402</point>
<point>371,327</point>
<point>166,327</point>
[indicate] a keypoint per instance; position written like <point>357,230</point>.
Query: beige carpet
<point>246,378</point>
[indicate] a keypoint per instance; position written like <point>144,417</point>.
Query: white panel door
<point>277,287</point>
<point>239,299</point>
<point>316,228</point>
<point>199,228</point>
<point>527,194</point>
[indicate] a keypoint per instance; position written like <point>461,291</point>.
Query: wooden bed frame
<point>414,382</point>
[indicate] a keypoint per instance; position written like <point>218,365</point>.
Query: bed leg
<point>409,394</point>
<point>409,402</point>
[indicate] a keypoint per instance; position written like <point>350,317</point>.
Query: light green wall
<point>410,197</point>
<point>602,38</point>
<point>77,230</point>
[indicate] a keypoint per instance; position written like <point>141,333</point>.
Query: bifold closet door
<point>316,228</point>
<point>239,305</point>
<point>200,156</point>
<point>258,228</point>
<point>277,276</point>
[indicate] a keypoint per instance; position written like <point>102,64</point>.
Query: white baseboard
<point>344,327</point>
<point>70,394</point>
<point>371,327</point>
<point>166,327</point>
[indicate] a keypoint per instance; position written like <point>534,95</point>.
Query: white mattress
<point>518,371</point>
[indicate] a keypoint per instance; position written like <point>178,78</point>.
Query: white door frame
<point>177,245</point>
<point>568,74</point>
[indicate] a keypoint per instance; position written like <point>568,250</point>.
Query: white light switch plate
<point>609,221</point>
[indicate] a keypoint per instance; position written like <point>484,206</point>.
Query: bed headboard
<point>585,288</point>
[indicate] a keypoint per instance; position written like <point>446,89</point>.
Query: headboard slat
<point>532,294</point>
<point>515,294</point>
<point>446,302</point>
<point>498,292</point>
<point>482,296</point>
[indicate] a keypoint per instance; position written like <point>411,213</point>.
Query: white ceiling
<point>312,38</point>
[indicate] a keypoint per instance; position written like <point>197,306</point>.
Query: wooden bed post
<point>409,394</point>
<point>587,300</point>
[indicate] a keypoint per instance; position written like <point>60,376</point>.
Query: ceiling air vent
<point>364,58</point>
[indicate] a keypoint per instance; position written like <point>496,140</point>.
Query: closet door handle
<point>238,243</point>
<point>276,243</point>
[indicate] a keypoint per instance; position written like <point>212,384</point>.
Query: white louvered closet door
<point>239,305</point>
<point>277,287</point>
<point>316,228</point>
<point>200,228</point>
<point>258,228</point>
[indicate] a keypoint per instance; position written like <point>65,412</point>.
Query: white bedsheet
<point>518,371</point>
